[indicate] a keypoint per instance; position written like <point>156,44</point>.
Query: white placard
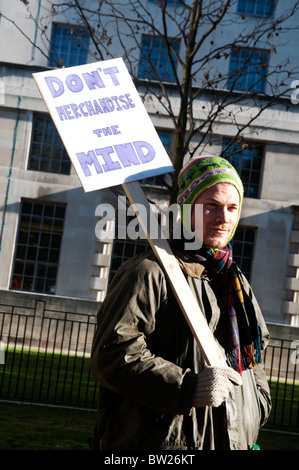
<point>103,124</point>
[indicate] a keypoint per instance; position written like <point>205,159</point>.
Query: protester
<point>156,392</point>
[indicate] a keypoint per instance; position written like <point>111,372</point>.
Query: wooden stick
<point>176,278</point>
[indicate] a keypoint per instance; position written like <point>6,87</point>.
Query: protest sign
<point>103,124</point>
<point>111,140</point>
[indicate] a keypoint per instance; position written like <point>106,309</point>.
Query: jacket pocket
<point>244,413</point>
<point>251,414</point>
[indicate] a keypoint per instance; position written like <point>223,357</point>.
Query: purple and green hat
<point>199,174</point>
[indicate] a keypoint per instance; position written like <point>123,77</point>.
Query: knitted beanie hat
<point>199,174</point>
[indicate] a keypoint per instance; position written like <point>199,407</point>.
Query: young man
<point>156,391</point>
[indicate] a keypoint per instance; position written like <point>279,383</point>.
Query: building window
<point>243,247</point>
<point>47,151</point>
<point>155,62</point>
<point>158,180</point>
<point>124,249</point>
<point>169,2</point>
<point>38,247</point>
<point>69,46</point>
<point>248,70</point>
<point>247,159</point>
<point>256,7</point>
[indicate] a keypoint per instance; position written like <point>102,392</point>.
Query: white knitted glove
<point>214,385</point>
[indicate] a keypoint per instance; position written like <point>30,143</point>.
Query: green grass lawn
<point>43,377</point>
<point>34,427</point>
<point>276,440</point>
<point>285,405</point>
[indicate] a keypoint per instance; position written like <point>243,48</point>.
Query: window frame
<point>136,246</point>
<point>241,82</point>
<point>256,154</point>
<point>38,246</point>
<point>148,52</point>
<point>47,149</point>
<point>240,239</point>
<point>250,8</point>
<point>62,51</point>
<point>169,2</point>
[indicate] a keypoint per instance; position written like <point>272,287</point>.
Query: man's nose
<point>223,215</point>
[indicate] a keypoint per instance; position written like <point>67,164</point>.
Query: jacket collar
<point>187,265</point>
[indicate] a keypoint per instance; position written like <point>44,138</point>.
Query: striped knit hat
<point>199,174</point>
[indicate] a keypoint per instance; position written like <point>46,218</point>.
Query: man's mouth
<point>218,230</point>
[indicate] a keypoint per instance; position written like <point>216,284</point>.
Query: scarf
<point>238,326</point>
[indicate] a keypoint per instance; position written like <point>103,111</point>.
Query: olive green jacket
<point>146,360</point>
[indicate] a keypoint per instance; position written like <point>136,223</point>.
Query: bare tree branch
<point>206,93</point>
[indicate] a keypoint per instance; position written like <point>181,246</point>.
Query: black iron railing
<point>45,355</point>
<point>44,358</point>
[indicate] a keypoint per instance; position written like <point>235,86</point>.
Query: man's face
<point>221,204</point>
